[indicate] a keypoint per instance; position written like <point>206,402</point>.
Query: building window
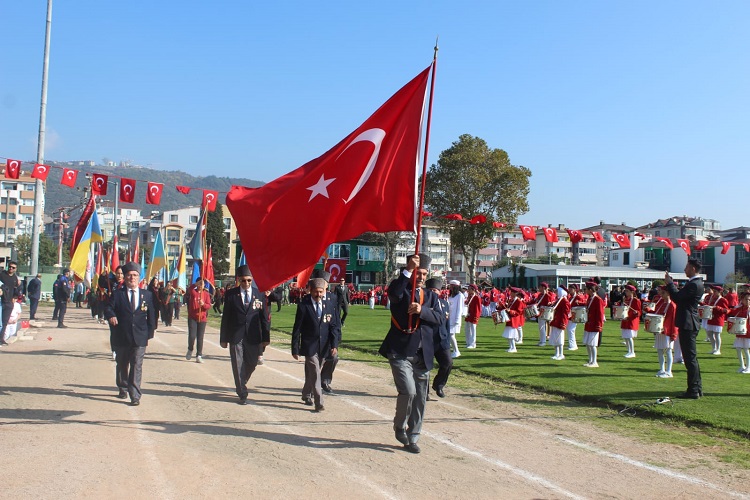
<point>374,253</point>
<point>648,255</point>
<point>173,251</point>
<point>227,223</point>
<point>10,186</point>
<point>615,256</point>
<point>11,230</point>
<point>172,217</point>
<point>366,278</point>
<point>28,203</point>
<point>173,235</point>
<point>626,258</point>
<point>338,251</point>
<point>194,219</point>
<point>189,234</point>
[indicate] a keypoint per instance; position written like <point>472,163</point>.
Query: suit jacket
<point>134,327</point>
<point>687,300</point>
<point>34,288</point>
<point>441,335</point>
<point>342,294</point>
<point>400,343</point>
<point>249,322</point>
<point>311,335</point>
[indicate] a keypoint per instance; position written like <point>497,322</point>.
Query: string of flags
<point>528,233</point>
<point>99,183</point>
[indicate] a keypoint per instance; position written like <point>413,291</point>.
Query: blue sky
<point>625,111</point>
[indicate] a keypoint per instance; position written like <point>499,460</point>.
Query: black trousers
<point>244,356</point>
<point>344,310</point>
<point>33,307</point>
<point>60,313</point>
<point>690,356</point>
<point>445,365</point>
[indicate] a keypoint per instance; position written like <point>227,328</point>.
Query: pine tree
<point>217,240</point>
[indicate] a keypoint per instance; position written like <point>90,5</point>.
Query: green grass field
<point>618,382</point>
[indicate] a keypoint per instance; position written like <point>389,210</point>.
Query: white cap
<point>454,282</point>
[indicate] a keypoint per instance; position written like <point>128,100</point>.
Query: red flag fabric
<point>82,223</point>
<point>208,268</point>
<point>303,276</point>
<point>40,172</point>
<point>478,219</point>
<point>667,242</point>
<point>575,235</point>
<point>453,217</point>
<point>426,214</point>
<point>622,240</point>
<point>12,169</point>
<point>337,268</point>
<point>747,247</point>
<point>127,190</point>
<point>115,255</point>
<point>528,232</point>
<point>99,184</point>
<point>153,193</point>
<point>725,247</point>
<point>367,182</point>
<point>136,253</point>
<point>209,199</point>
<point>99,258</point>
<point>685,245</point>
<point>498,224</point>
<point>69,177</point>
<point>702,245</point>
<point>550,234</point>
<point>183,189</point>
<point>597,236</point>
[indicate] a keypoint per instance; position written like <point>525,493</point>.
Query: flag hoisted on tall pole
<point>158,257</point>
<point>90,236</point>
<point>198,246</point>
<point>367,182</point>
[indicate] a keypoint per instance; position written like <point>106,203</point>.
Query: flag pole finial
<point>434,57</point>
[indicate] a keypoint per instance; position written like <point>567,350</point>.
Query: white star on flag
<point>321,188</point>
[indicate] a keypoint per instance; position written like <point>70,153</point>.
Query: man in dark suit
<point>342,296</point>
<point>687,300</point>
<point>130,311</point>
<point>315,335</point>
<point>63,295</point>
<point>245,329</point>
<point>441,338</point>
<point>409,347</point>
<point>34,289</point>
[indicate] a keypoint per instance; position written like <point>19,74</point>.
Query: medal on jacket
<point>257,304</point>
<point>326,318</point>
<point>144,307</point>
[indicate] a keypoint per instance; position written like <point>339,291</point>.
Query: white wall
<point>724,264</point>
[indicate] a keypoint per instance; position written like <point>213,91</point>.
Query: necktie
<point>247,297</point>
<point>132,299</point>
<point>318,311</point>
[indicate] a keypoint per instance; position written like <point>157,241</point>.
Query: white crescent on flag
<point>375,136</point>
<point>127,188</point>
<point>99,182</point>
<point>154,190</point>
<point>335,270</point>
<point>70,174</point>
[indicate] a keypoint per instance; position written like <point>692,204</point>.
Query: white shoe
<point>114,356</point>
<point>587,365</point>
<point>746,370</point>
<point>662,375</point>
<point>679,361</point>
<point>669,375</point>
<point>455,354</point>
<point>512,350</point>
<point>574,348</point>
<point>594,365</point>
<point>630,355</point>
<point>199,359</point>
<point>189,355</point>
<point>741,369</point>
<point>519,341</point>
<point>716,353</point>
<point>541,344</point>
<point>260,360</point>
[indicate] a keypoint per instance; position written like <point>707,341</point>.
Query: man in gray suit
<point>687,299</point>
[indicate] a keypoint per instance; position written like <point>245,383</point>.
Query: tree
<point>23,249</point>
<point>737,278</point>
<point>472,179</point>
<point>47,250</point>
<point>217,240</point>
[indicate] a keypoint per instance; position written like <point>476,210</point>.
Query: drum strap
<point>416,326</point>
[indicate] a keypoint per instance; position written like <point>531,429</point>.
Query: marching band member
<point>629,326</point>
<point>457,312</point>
<point>577,299</point>
<point>545,298</point>
<point>515,310</point>
<point>474,309</point>
<point>742,342</point>
<point>714,326</point>
<point>593,327</point>
<point>559,322</point>
<point>664,341</point>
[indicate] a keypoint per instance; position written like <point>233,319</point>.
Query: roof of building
<point>586,272</point>
<point>602,226</point>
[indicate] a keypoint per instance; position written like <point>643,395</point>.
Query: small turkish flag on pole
<point>127,190</point>
<point>478,219</point>
<point>99,184</point>
<point>527,232</point>
<point>685,245</point>
<point>702,245</point>
<point>725,247</point>
<point>12,169</point>
<point>622,240</point>
<point>209,199</point>
<point>153,193</point>
<point>575,235</point>
<point>667,242</point>
<point>597,236</point>
<point>550,234</point>
<point>183,189</point>
<point>40,172</point>
<point>69,177</point>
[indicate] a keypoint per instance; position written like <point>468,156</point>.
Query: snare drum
<point>654,323</point>
<point>531,311</point>
<point>737,325</point>
<point>547,313</point>
<point>500,317</point>
<point>706,312</point>
<point>578,314</point>
<point>620,312</point>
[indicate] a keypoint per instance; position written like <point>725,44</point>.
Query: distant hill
<point>58,196</point>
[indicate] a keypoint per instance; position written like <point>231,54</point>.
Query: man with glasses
<point>11,288</point>
<point>131,311</point>
<point>245,329</point>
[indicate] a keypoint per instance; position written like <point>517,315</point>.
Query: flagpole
<point>424,177</point>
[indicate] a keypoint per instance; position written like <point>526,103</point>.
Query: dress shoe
<point>429,398</point>
<point>412,448</point>
<point>327,389</point>
<point>123,394</point>
<point>308,401</point>
<point>199,359</point>
<point>242,401</point>
<point>189,355</point>
<point>135,402</point>
<point>61,326</point>
<point>440,393</point>
<point>690,395</point>
<point>319,408</point>
<point>402,438</point>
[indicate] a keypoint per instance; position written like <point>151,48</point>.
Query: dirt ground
<point>64,434</point>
